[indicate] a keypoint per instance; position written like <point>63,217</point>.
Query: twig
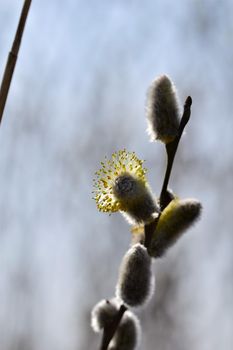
<point>12,57</point>
<point>149,229</point>
<point>111,329</point>
<point>171,149</point>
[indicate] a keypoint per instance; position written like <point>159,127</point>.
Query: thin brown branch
<point>149,229</point>
<point>171,148</point>
<point>111,329</point>
<point>12,57</point>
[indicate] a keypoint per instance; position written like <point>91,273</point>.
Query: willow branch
<point>171,149</point>
<point>149,229</point>
<point>12,57</point>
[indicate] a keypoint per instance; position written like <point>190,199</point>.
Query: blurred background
<point>78,94</point>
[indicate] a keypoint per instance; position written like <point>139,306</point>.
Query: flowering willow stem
<point>111,329</point>
<point>149,229</point>
<point>171,149</point>
<point>12,57</point>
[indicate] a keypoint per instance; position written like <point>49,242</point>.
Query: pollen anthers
<point>117,176</point>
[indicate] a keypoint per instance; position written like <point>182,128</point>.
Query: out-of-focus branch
<point>12,57</point>
<point>111,329</point>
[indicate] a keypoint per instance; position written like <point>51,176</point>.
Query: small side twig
<point>171,149</point>
<point>111,329</point>
<point>12,57</point>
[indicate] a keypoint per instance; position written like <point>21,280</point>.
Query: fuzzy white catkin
<point>136,198</point>
<point>103,313</point>
<point>135,282</point>
<point>162,110</point>
<point>175,219</point>
<point>128,334</point>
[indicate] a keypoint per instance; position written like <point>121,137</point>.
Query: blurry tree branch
<point>12,57</point>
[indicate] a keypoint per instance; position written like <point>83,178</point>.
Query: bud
<point>162,110</point>
<point>136,282</point>
<point>121,185</point>
<point>135,198</point>
<point>177,217</point>
<point>128,334</point>
<point>103,313</point>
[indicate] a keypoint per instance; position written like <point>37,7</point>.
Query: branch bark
<point>171,148</point>
<point>12,57</point>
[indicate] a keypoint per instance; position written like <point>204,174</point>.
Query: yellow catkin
<point>178,216</point>
<point>121,185</point>
<point>122,162</point>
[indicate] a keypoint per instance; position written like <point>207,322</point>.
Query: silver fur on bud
<point>162,110</point>
<point>128,334</point>
<point>175,219</point>
<point>135,283</point>
<point>136,198</point>
<point>103,313</point>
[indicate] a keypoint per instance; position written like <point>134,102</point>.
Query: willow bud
<point>103,313</point>
<point>177,217</point>
<point>136,282</point>
<point>136,199</point>
<point>128,334</point>
<point>162,110</point>
<point>121,185</point>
